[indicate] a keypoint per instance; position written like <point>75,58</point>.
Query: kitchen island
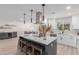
<point>37,45</point>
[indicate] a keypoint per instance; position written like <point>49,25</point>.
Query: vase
<point>44,36</point>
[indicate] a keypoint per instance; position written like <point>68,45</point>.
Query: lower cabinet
<point>30,48</point>
<point>7,35</point>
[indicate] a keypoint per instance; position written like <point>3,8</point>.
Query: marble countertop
<point>41,39</point>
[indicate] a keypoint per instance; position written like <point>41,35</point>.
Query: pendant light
<point>24,17</point>
<point>43,10</point>
<point>31,15</point>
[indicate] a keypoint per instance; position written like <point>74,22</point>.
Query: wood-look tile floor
<point>9,47</point>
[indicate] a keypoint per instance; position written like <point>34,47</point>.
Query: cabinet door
<point>14,34</point>
<point>3,35</point>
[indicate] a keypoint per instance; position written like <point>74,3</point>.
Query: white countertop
<point>7,30</point>
<point>40,39</point>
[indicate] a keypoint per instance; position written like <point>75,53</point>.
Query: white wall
<point>65,20</point>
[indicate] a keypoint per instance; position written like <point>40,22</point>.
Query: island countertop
<point>40,39</point>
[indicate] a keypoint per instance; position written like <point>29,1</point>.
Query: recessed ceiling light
<point>68,7</point>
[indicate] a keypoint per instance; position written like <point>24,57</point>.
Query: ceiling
<point>14,12</point>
